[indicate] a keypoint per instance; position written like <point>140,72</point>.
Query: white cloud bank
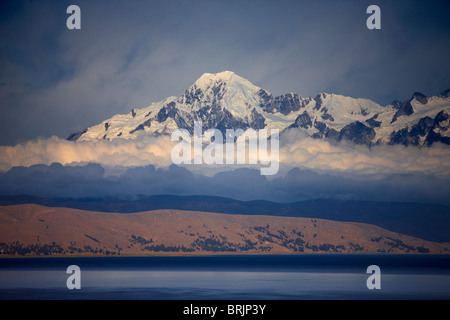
<point>296,151</point>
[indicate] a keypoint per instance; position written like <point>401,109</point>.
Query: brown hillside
<point>37,230</point>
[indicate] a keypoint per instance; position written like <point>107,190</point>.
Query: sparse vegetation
<point>423,249</point>
<point>18,248</point>
<point>140,240</point>
<point>355,247</point>
<point>163,248</point>
<point>397,243</point>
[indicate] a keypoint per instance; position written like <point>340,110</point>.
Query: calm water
<point>228,277</point>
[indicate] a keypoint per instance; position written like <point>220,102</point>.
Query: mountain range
<point>227,101</point>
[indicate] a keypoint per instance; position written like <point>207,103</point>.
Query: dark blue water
<point>257,277</point>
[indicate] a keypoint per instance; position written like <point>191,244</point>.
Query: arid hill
<point>37,230</point>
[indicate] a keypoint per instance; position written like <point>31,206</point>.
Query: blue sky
<point>128,54</point>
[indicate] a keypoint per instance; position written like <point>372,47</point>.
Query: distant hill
<point>37,230</point>
<point>425,221</point>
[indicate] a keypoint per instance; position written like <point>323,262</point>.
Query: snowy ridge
<point>226,101</point>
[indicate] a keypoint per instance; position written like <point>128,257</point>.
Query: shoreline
<point>226,255</point>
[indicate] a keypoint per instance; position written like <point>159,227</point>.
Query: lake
<point>243,277</point>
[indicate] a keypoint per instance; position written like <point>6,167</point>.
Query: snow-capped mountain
<point>226,101</point>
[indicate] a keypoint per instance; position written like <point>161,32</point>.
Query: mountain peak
<point>219,75</point>
<point>223,90</point>
<point>225,100</point>
<point>210,80</point>
<point>420,97</point>
<point>445,94</point>
<point>224,75</point>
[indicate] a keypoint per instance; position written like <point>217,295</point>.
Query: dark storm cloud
<point>129,54</point>
<point>242,184</point>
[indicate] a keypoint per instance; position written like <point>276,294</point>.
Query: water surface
<point>259,277</point>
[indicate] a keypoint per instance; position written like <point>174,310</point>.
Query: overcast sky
<point>128,54</point>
